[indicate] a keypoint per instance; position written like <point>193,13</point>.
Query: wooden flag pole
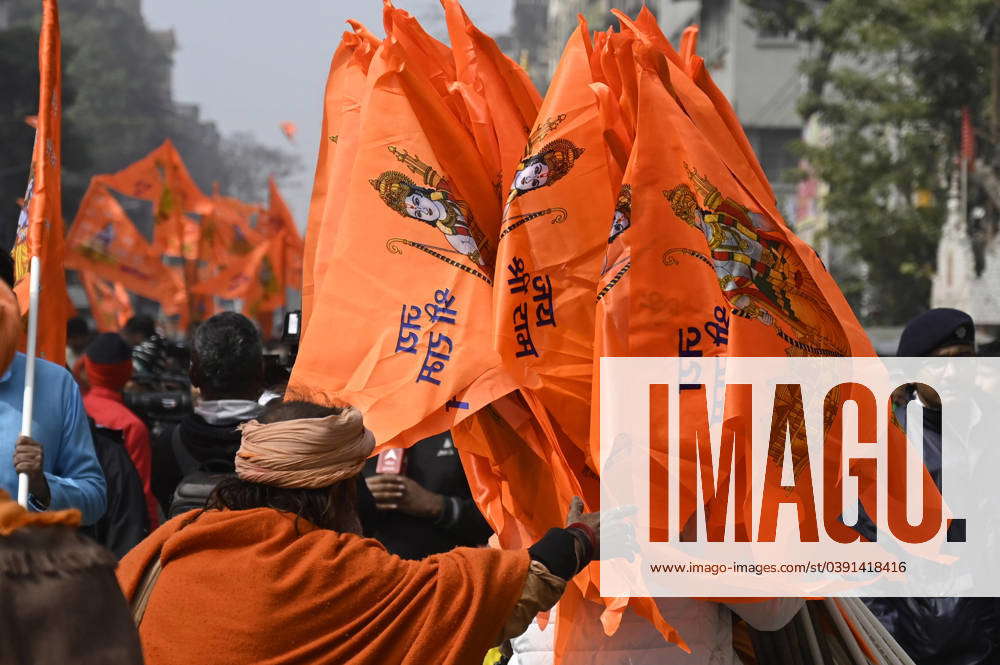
<point>29,370</point>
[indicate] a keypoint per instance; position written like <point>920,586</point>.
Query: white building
<point>958,283</point>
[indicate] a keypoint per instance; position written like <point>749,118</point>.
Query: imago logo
<point>786,476</point>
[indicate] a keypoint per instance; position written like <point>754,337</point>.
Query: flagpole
<point>29,368</point>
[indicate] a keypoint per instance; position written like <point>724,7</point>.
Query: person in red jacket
<point>108,363</point>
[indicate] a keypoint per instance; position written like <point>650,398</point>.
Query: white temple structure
<point>957,283</point>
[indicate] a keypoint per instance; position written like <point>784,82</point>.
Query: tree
<point>248,163</point>
<point>124,108</point>
<point>888,79</point>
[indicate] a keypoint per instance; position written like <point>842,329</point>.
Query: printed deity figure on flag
<point>432,204</point>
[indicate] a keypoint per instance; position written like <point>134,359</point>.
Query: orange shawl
<point>243,587</point>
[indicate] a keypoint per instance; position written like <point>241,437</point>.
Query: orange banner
<point>162,178</point>
<point>338,146</point>
<point>267,292</point>
<point>408,284</point>
<point>237,279</point>
<point>551,246</point>
<point>110,304</point>
<point>502,101</point>
<point>40,225</point>
<point>279,220</point>
<point>223,236</point>
<point>104,242</point>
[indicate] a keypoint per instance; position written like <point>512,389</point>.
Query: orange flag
<point>429,58</point>
<point>40,225</point>
<point>701,263</point>
<point>104,242</point>
<point>338,146</point>
<point>109,302</point>
<point>223,236</point>
<point>745,285</point>
<point>502,101</point>
<point>235,280</point>
<point>550,251</point>
<point>162,178</point>
<point>710,112</point>
<point>279,220</point>
<point>267,292</point>
<point>695,67</point>
<point>408,284</point>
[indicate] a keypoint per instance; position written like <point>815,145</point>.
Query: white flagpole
<point>29,369</point>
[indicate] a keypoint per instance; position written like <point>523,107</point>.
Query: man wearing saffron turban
<point>275,569</point>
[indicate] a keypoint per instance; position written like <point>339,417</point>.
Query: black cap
<point>935,329</point>
<point>108,349</point>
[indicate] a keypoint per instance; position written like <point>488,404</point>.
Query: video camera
<point>169,406</point>
<point>159,410</point>
<point>278,365</point>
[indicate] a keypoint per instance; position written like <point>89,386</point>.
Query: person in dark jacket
<point>227,367</point>
<point>427,508</point>
<point>938,631</point>
<point>126,522</point>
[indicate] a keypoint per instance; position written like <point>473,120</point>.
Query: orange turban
<point>11,326</point>
<point>307,452</point>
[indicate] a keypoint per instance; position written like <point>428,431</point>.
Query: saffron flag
<point>408,283</point>
<point>338,145</point>
<point>223,236</point>
<point>40,225</point>
<point>162,178</point>
<point>267,292</point>
<point>110,304</point>
<point>696,68</point>
<point>235,280</point>
<point>702,263</point>
<point>968,150</point>
<point>704,103</point>
<point>279,220</point>
<point>103,242</point>
<point>555,222</point>
<point>733,251</point>
<point>502,101</point>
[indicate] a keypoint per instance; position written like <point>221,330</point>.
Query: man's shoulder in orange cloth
<point>260,585</point>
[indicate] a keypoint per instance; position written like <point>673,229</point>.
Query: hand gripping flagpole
<point>29,369</point>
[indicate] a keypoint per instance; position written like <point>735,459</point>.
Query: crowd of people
<point>198,479</point>
<point>246,527</point>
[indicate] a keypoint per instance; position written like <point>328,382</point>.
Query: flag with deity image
<point>40,223</point>
<point>104,242</point>
<point>401,323</point>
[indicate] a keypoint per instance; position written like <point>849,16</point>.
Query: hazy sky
<point>252,64</point>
